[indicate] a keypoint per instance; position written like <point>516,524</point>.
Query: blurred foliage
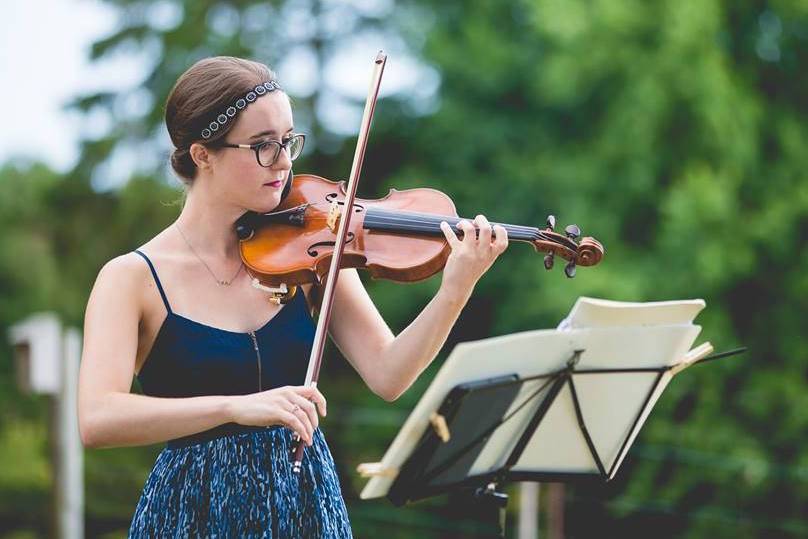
<point>673,131</point>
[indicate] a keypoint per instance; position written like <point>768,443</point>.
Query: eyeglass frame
<point>256,147</point>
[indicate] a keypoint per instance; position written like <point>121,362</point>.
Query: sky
<point>43,63</point>
<point>44,49</point>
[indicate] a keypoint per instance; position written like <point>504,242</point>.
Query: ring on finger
<point>295,409</point>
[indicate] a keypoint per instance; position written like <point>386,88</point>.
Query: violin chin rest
<point>245,226</point>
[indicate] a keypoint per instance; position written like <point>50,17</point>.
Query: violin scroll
<point>587,252</point>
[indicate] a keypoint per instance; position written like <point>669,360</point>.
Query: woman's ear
<point>201,155</point>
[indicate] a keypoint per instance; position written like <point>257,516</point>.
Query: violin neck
<point>429,224</point>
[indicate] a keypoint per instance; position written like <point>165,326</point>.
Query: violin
<point>397,237</point>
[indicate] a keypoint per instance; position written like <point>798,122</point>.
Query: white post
<point>71,452</point>
<point>528,510</point>
<point>47,362</point>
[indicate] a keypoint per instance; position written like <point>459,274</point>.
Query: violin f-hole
<point>312,250</point>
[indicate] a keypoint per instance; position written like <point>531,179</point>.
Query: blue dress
<point>235,480</point>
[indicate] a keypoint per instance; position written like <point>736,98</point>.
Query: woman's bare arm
<point>111,416</point>
<point>390,364</point>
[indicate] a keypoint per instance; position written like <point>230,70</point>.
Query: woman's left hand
<point>472,256</point>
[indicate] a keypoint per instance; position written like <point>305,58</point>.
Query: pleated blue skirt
<point>242,485</point>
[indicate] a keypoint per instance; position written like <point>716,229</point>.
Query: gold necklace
<point>218,281</point>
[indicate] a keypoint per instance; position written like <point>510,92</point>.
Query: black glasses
<point>267,152</point>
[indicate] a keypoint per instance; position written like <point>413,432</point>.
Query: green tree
<point>674,132</point>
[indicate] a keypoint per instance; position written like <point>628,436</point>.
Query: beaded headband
<point>241,103</point>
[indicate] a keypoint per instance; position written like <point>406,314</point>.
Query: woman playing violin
<point>222,368</point>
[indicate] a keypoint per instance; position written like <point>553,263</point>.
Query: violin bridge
<point>333,216</point>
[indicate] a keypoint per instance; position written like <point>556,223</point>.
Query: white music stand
<point>546,405</point>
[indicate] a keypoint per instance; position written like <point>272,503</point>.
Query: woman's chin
<point>265,204</point>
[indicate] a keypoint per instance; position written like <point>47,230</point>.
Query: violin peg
<point>572,231</point>
<point>569,269</point>
<point>551,222</point>
<point>548,261</point>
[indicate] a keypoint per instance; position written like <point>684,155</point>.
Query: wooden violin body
<point>397,237</point>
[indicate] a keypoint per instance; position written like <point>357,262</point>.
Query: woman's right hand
<point>290,406</point>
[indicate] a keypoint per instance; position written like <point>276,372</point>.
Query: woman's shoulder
<point>126,266</point>
<point>121,276</point>
<point>117,289</point>
<point>129,271</point>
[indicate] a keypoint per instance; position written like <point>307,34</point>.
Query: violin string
<point>421,226</point>
<point>512,231</point>
<point>426,218</point>
<point>432,218</point>
<point>430,223</point>
<point>434,229</point>
<point>531,233</point>
<point>407,225</point>
<point>416,225</point>
<point>375,217</point>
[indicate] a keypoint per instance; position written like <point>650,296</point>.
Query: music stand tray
<point>545,405</point>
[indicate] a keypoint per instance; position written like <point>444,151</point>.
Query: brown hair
<point>201,93</point>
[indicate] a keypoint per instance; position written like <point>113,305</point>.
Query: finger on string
<point>469,233</point>
<point>485,230</point>
<point>450,235</point>
<point>500,238</point>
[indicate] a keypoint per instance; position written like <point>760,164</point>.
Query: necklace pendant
<point>191,247</point>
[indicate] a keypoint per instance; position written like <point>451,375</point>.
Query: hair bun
<point>183,164</point>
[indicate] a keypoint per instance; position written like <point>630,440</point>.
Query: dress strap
<point>156,279</point>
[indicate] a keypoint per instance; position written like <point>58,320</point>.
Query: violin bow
<point>316,357</point>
